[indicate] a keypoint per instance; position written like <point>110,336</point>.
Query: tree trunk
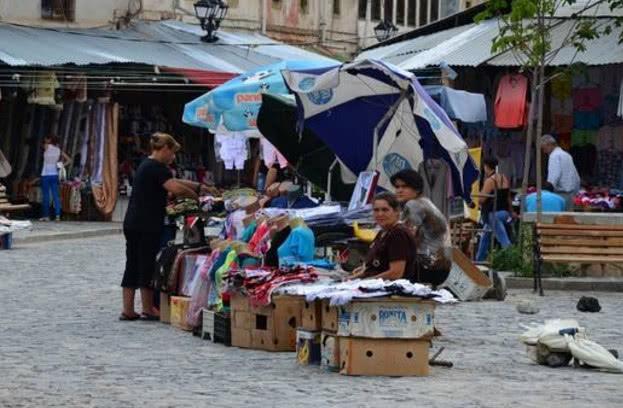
<point>529,135</point>
<point>539,133</point>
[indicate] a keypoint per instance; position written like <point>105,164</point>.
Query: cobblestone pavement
<point>61,345</point>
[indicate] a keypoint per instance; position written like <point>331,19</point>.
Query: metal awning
<point>170,44</point>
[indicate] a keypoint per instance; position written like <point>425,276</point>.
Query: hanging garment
<point>298,248</point>
<point>233,150</point>
<point>561,87</point>
<point>510,102</point>
<point>586,120</point>
<point>609,166</point>
<point>105,192</point>
<point>610,137</point>
<point>434,172</point>
<point>587,99</point>
<point>44,86</point>
<point>271,155</point>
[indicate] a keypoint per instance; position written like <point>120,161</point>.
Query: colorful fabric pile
<point>260,284</point>
<point>606,200</point>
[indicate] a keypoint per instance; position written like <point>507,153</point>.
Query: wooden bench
<point>576,243</point>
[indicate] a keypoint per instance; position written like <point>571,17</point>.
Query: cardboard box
<point>165,308</point>
<point>239,302</point>
<point>383,357</point>
<point>241,320</point>
<point>240,338</point>
<point>396,318</point>
<point>308,347</point>
<point>329,317</point>
<point>312,316</point>
<point>274,326</point>
<point>329,352</point>
<point>179,309</point>
<point>466,281</point>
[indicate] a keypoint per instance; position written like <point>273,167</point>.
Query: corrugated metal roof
<point>468,48</point>
<point>602,51</point>
<point>472,47</point>
<point>168,44</point>
<point>399,52</point>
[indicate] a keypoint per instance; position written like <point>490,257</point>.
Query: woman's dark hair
<point>53,139</point>
<point>410,177</point>
<point>390,199</point>
<point>490,162</point>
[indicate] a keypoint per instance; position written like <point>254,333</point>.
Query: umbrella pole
<point>329,176</point>
<point>384,119</point>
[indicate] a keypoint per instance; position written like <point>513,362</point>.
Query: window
<point>304,6</point>
<point>362,9</point>
<point>423,12</point>
<point>434,10</point>
<point>336,7</point>
<point>276,4</point>
<point>411,13</point>
<point>58,9</point>
<point>376,9</point>
<point>400,12</point>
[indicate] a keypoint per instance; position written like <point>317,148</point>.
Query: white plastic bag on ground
<point>549,335</point>
<point>593,354</point>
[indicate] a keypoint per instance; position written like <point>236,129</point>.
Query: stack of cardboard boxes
<point>389,336</point>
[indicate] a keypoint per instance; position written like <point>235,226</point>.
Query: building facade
<point>83,13</point>
<point>342,27</point>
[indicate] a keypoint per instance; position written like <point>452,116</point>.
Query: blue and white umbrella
<point>235,104</point>
<point>374,115</point>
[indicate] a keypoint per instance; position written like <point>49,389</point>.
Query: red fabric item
<point>587,99</point>
<point>510,102</point>
<point>259,235</point>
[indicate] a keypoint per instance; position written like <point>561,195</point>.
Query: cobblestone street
<point>62,346</point>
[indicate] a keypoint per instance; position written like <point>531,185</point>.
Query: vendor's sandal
<point>149,318</point>
<point>127,318</point>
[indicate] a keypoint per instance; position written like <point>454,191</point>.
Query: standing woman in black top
<point>144,222</point>
<point>495,206</point>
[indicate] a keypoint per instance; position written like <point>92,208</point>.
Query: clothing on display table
<point>298,247</point>
<point>272,258</point>
<point>510,102</point>
<point>233,150</point>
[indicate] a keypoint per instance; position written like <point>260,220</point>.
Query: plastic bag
<point>593,354</point>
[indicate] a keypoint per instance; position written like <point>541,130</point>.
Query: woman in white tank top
<point>52,156</point>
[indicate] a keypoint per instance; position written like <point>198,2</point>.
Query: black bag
<point>588,304</point>
<point>164,263</point>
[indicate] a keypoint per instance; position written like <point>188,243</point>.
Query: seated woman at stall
<point>432,234</point>
<point>392,253</point>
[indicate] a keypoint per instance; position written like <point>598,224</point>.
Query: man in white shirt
<point>561,171</point>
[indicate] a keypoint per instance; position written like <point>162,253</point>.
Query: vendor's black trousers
<point>430,273</point>
<point>141,248</point>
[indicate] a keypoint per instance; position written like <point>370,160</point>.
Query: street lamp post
<point>385,30</point>
<point>210,14</point>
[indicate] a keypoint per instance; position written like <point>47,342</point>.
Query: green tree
<point>525,30</point>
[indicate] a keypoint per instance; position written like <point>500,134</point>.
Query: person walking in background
<point>496,208</point>
<point>561,171</point>
<point>144,222</point>
<point>53,159</point>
